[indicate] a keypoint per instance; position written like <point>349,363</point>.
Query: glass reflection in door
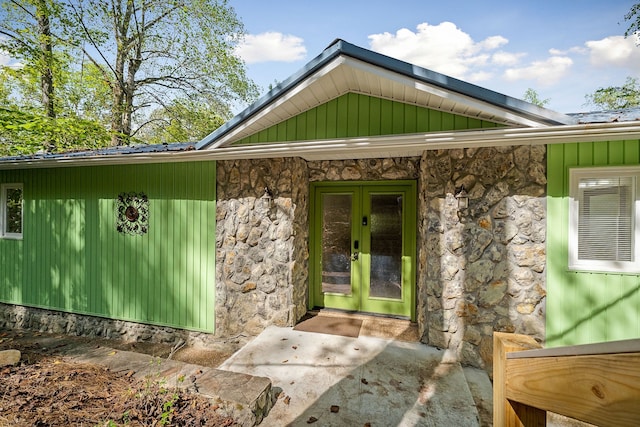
<point>386,246</point>
<point>336,243</point>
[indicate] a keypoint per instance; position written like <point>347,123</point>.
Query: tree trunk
<point>122,91</point>
<point>116,112</point>
<point>46,50</point>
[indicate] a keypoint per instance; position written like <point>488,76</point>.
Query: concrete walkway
<point>329,380</point>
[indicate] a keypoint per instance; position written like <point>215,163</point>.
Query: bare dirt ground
<point>46,390</point>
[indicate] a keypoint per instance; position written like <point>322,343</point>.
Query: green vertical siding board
<point>352,115</point>
<point>422,120</point>
<point>410,119</point>
<point>179,232</point>
<point>571,154</point>
<point>272,133</point>
<point>601,153</point>
<point>172,301</point>
<point>261,137</point>
<point>321,122</point>
<point>398,117</point>
<point>195,266</point>
<point>311,124</point>
<point>448,121</point>
<point>616,152</point>
<point>94,192</point>
<point>300,126</point>
<point>585,153</point>
<point>190,206</point>
<point>460,122</point>
<point>435,120</point>
<point>342,109</point>
<point>386,117</point>
<point>631,152</point>
<point>364,115</point>
<point>106,246</point>
<point>473,123</point>
<point>332,119</point>
<point>281,130</point>
<point>375,116</point>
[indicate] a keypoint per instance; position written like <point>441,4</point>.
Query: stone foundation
<point>57,322</point>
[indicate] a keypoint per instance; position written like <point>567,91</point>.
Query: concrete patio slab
<point>330,380</point>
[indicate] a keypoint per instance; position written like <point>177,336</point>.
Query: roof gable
<point>345,68</point>
<point>356,115</point>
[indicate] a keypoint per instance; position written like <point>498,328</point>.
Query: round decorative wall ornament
<point>132,213</point>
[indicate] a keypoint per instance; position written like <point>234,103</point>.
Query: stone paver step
<point>245,397</point>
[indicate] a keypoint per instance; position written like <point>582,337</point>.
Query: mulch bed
<point>46,390</point>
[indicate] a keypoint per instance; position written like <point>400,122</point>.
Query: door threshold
<point>354,314</point>
<point>375,325</point>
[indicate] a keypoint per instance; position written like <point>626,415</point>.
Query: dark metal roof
<point>609,116</point>
<point>109,151</point>
<point>340,47</point>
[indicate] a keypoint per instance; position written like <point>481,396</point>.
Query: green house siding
<point>585,307</point>
<point>353,115</point>
<point>73,259</point>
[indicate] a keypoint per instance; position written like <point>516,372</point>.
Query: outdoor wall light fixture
<point>463,204</point>
<point>267,198</point>
<point>463,199</point>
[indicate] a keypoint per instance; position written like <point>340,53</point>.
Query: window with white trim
<point>604,221</point>
<point>11,211</point>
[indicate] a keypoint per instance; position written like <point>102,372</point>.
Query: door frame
<point>409,233</point>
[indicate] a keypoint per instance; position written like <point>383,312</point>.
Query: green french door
<point>363,247</point>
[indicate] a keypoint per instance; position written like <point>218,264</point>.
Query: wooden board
<point>598,389</point>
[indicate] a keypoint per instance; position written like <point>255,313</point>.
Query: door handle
<point>354,257</point>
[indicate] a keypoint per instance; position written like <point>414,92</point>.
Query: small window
<point>604,221</point>
<point>11,209</point>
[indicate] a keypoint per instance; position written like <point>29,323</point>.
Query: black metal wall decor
<point>132,213</point>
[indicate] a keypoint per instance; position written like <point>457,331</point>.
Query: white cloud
<point>480,76</point>
<point>576,49</point>
<point>443,48</point>
<point>614,51</point>
<point>544,72</point>
<point>493,42</point>
<point>504,59</point>
<point>271,47</point>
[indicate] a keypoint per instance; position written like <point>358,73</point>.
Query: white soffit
<point>345,74</point>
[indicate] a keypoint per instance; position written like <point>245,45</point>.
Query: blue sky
<point>562,49</point>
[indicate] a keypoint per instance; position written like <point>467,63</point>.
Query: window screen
<point>605,226</point>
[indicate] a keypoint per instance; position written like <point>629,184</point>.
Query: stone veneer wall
<point>261,253</point>
<point>483,270</point>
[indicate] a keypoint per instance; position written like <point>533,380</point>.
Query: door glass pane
<point>336,243</point>
<point>386,246</point>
